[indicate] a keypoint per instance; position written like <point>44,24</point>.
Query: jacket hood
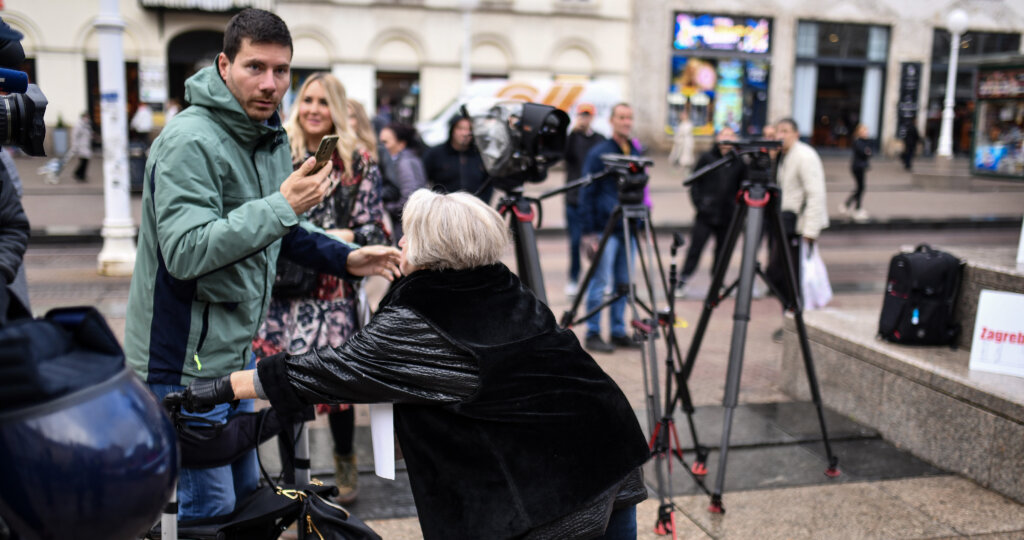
<point>207,89</point>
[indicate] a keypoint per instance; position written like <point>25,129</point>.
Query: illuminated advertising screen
<point>721,33</point>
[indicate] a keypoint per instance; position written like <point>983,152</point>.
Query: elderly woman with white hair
<point>508,427</point>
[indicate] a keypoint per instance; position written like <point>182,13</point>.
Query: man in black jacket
<point>14,229</point>
<point>714,198</point>
<point>456,163</point>
<point>580,141</point>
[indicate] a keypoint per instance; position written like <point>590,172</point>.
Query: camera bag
<point>920,296</point>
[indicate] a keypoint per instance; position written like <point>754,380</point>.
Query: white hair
<point>455,231</point>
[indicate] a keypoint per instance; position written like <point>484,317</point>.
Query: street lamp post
<point>117,258</point>
<point>467,7</point>
<point>957,24</point>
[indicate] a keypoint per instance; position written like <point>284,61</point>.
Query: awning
<point>208,5</point>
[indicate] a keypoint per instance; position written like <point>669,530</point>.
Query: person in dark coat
<point>508,427</point>
<point>858,166</point>
<point>456,164</point>
<point>714,198</point>
<point>910,139</point>
<point>579,143</point>
<point>14,229</point>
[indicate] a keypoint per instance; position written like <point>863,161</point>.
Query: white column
<point>805,90</point>
<point>117,258</point>
<point>957,22</point>
<point>871,100</point>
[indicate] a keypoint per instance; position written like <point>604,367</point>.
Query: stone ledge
<point>923,399</point>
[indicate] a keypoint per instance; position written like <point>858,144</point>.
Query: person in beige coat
<point>804,215</point>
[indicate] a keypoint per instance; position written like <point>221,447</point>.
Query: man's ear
<point>222,65</point>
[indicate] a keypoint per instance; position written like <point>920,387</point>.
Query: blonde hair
<point>454,231</point>
<point>336,102</point>
<point>364,131</point>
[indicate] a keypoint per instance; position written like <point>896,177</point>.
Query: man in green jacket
<point>220,203</point>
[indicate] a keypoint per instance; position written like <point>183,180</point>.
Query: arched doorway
<point>188,53</point>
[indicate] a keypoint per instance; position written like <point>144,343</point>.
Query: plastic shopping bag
<point>814,284</point>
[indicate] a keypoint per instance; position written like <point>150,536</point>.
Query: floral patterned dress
<point>328,316</point>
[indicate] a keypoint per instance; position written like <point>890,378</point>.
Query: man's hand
<point>304,190</point>
<point>374,260</point>
<point>203,394</point>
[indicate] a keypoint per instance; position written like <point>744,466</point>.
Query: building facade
<point>405,55</point>
<point>829,65</point>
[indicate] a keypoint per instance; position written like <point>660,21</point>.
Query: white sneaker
<point>860,216</point>
<point>844,210</point>
<point>571,288</point>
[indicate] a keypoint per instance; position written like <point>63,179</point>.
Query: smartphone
<point>323,154</point>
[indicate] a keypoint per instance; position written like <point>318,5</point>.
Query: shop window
<point>719,77</point>
<point>398,96</point>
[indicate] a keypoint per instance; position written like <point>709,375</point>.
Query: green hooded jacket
<point>213,220</point>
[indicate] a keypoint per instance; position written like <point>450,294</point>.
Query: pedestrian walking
<point>327,315</point>
<point>81,146</point>
<point>910,139</point>
<point>681,154</point>
<point>577,146</point>
<point>508,427</point>
<point>859,165</point>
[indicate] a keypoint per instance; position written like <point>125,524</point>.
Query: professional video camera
<point>518,141</point>
<point>22,109</point>
<point>758,159</point>
<point>631,174</point>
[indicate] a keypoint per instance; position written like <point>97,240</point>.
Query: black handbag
<point>293,280</point>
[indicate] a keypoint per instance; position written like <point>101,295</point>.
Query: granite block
<point>958,503</point>
<point>1007,460</point>
<point>938,428</point>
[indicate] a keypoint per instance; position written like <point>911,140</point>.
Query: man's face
<point>622,121</point>
<point>725,137</point>
<point>785,133</point>
<point>583,121</point>
<point>462,135</point>
<point>768,133</point>
<point>258,78</point>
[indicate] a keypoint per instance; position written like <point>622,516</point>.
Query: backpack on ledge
<point>920,295</point>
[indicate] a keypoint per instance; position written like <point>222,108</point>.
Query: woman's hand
<point>374,260</point>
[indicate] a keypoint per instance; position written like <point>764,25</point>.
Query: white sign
<point>998,344</point>
<point>382,432</point>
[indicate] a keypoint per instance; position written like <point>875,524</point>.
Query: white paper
<point>382,431</point>
<point>998,344</point>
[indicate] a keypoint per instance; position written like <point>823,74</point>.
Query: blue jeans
<point>621,525</point>
<point>612,267</point>
<point>575,228</point>
<point>213,492</point>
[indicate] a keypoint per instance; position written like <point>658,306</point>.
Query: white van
<point>565,95</point>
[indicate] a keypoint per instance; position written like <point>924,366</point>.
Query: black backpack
<point>920,295</point>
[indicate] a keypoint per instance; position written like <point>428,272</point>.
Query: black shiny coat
<point>504,421</point>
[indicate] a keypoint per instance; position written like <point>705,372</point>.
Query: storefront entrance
<point>837,105</point>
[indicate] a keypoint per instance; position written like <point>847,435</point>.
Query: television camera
<point>22,109</point>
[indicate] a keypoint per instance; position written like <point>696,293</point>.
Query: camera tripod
<point>759,198</point>
<point>637,231</point>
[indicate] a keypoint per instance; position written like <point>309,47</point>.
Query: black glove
<point>203,394</point>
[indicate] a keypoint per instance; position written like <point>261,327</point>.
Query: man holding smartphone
<point>220,202</point>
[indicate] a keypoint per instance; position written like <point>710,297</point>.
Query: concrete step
<point>921,399</point>
<point>989,268</point>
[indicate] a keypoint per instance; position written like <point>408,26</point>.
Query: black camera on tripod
<point>758,154</point>
<point>22,109</point>
<point>517,140</point>
<point>631,175</point>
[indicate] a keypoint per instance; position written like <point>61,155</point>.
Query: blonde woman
<point>858,167</point>
<point>327,315</point>
<point>495,404</point>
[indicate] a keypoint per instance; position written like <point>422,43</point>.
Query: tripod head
<point>631,174</point>
<point>759,162</point>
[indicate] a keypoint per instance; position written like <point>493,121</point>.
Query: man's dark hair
<point>790,121</point>
<point>259,26</point>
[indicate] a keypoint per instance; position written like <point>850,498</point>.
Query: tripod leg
<point>741,318</point>
<point>796,304</point>
<point>526,249</point>
<point>712,298</point>
<point>568,316</point>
